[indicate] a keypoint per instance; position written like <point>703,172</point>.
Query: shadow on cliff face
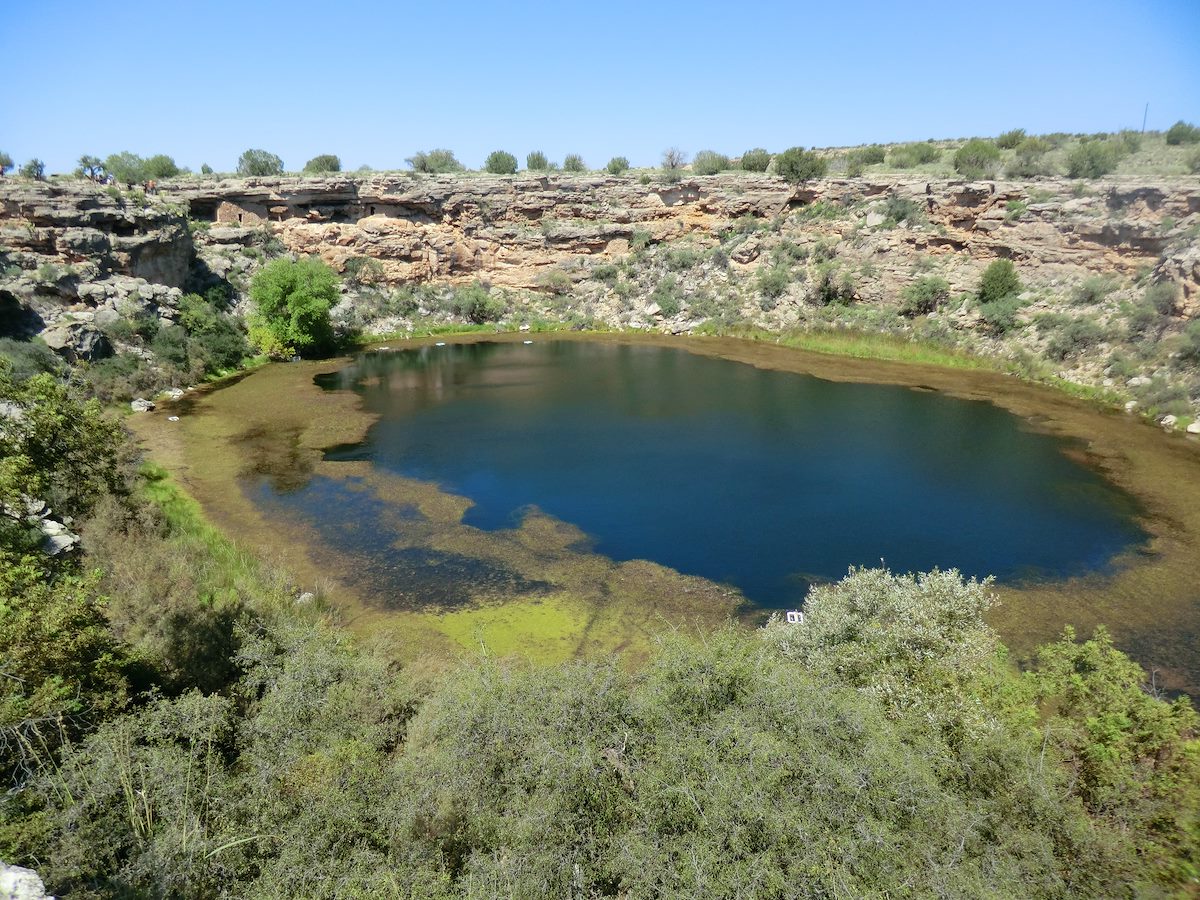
<point>17,320</point>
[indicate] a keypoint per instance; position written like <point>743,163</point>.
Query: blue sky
<point>375,81</point>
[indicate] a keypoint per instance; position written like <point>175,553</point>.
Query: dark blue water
<point>762,479</point>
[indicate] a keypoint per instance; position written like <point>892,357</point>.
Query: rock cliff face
<point>510,231</point>
<point>76,257</point>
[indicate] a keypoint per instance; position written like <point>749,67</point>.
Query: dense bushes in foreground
<point>885,747</point>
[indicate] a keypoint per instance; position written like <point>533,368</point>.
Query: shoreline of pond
<point>1161,471</point>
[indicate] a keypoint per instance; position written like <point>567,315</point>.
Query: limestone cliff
<point>76,255</point>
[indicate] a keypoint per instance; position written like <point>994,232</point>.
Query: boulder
<point>174,393</point>
<point>78,341</point>
<point>1168,421</point>
<point>17,883</point>
<point>746,252</point>
<point>1194,427</point>
<point>141,405</point>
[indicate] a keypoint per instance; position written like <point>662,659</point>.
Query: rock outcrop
<point>76,259</point>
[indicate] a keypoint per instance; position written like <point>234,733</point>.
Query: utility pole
<point>1144,114</point>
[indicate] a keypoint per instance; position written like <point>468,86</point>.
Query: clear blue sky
<point>375,81</point>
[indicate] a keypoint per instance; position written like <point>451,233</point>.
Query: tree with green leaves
<point>91,167</point>
<point>292,301</point>
<point>536,161</point>
<point>573,162</point>
<point>755,160</point>
<point>126,167</point>
<point>500,162</point>
<point>35,169</point>
<point>6,163</point>
<point>797,164</point>
<point>618,165</point>
<point>999,280</point>
<point>325,162</point>
<point>160,166</point>
<point>977,159</point>
<point>434,162</point>
<point>259,163</point>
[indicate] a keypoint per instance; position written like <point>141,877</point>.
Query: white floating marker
<point>172,418</point>
<point>526,342</point>
<point>440,344</point>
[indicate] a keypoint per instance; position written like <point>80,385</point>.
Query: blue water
<point>765,480</point>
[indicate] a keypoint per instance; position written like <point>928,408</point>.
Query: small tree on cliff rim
<point>797,164</point>
<point>326,162</point>
<point>501,162</point>
<point>292,300</point>
<point>259,162</point>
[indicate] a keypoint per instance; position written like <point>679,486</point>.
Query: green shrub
<point>680,258</point>
<point>1072,337</point>
<point>325,162</point>
<point>774,281</point>
<point>434,162</point>
<point>1188,353</point>
<point>1131,141</point>
<point>500,162</point>
<point>292,300</point>
<point>899,209</point>
<point>1093,159</point>
<point>1027,161</point>
<point>363,270</point>
<point>25,359</point>
<point>556,281</point>
<point>536,161</point>
<point>977,159</point>
<point>1010,139</point>
<point>666,295</point>
<point>259,163</point>
<point>476,303</point>
<point>573,162</point>
<point>1161,297</point>
<point>1192,163</point>
<point>606,272</point>
<point>830,290</point>
<point>206,169</point>
<point>797,164</point>
<point>924,296</point>
<point>160,166</point>
<point>908,156</point>
<point>1014,209</point>
<point>639,241</point>
<point>618,165</point>
<point>999,280</point>
<point>709,162</point>
<point>6,162</point>
<point>1094,289</point>
<point>35,170</point>
<point>873,154</point>
<point>755,160</point>
<point>1000,316</point>
<point>1183,133</point>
